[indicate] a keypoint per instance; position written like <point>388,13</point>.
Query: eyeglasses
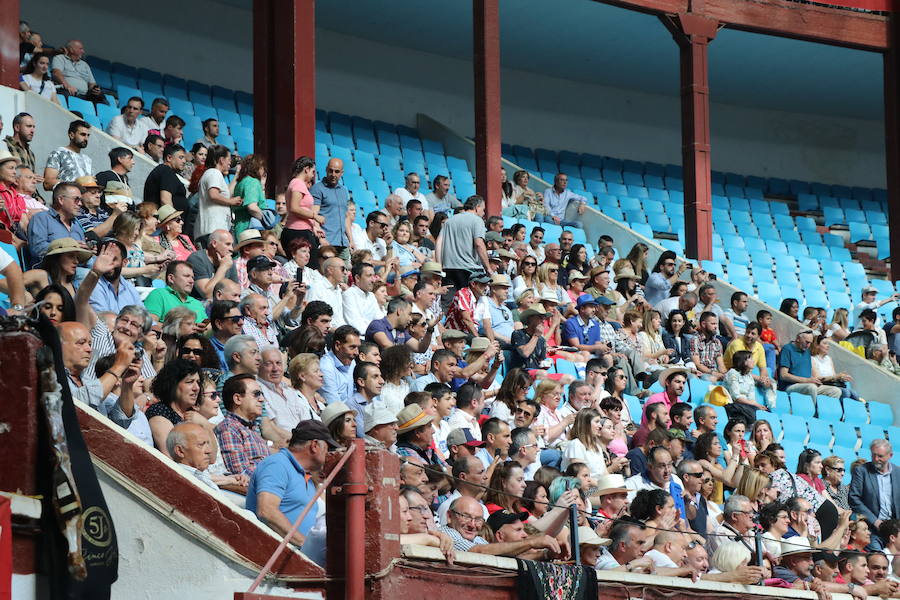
<point>528,446</point>
<point>385,225</point>
<point>477,521</point>
<point>620,376</point>
<point>235,318</point>
<point>519,411</point>
<point>529,264</point>
<point>692,545</point>
<point>705,481</point>
<point>421,509</point>
<point>197,351</point>
<point>257,394</point>
<point>697,475</point>
<point>553,270</point>
<point>596,372</point>
<point>837,470</point>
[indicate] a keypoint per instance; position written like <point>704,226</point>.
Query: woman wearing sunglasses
<point>527,277</point>
<point>198,349</point>
<point>171,236</point>
<point>833,474</point>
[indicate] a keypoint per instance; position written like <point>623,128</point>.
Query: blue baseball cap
<point>603,300</point>
<point>585,299</point>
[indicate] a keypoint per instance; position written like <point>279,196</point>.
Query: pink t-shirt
<point>306,201</point>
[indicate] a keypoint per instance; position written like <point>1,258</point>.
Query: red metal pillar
<point>355,488</point>
<point>9,43</point>
<point>693,34</point>
<point>486,58</point>
<point>892,137</point>
<point>284,78</point>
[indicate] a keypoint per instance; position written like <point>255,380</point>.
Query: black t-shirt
<point>163,178</point>
<point>533,361</point>
<point>104,177</point>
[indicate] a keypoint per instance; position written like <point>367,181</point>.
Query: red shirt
<point>464,300</point>
<point>768,336</point>
<point>13,206</point>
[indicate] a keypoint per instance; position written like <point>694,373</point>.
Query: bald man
<point>331,197</point>
<point>188,445</point>
<point>124,372</point>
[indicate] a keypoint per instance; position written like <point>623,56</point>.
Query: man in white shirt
<point>393,206</point>
<point>411,191</point>
<point>736,313</point>
<point>525,450</point>
<point>581,395</point>
<point>126,127</point>
<point>328,288</point>
<point>469,404</point>
<point>156,120</point>
<point>686,302</point>
<point>668,554</point>
<point>467,470</point>
<point>188,445</point>
<point>423,299</point>
<point>359,303</point>
<point>68,163</point>
<point>372,239</point>
<point>869,294</point>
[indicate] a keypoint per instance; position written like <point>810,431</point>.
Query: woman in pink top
<point>302,214</point>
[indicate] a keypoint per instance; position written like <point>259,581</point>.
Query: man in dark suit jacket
<point>875,488</point>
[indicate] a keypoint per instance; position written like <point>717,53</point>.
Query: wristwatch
<point>18,307</point>
<point>851,587</point>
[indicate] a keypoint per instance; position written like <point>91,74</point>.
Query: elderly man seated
<point>188,445</point>
<point>466,520</point>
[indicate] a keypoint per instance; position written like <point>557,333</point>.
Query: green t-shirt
<point>162,300</point>
<point>250,190</point>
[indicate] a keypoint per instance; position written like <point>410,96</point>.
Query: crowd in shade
<point>513,376</point>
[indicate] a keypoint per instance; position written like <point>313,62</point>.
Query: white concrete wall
<point>210,41</point>
<point>158,559</point>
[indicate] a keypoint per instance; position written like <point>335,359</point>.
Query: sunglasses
<point>235,318</point>
<point>837,470</point>
<point>197,351</point>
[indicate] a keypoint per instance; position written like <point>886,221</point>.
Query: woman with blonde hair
<point>546,280</point>
<point>636,260</point>
<point>548,394</point>
<point>761,435</point>
<point>839,328</point>
<point>171,236</point>
<point>408,255</point>
<point>757,486</point>
<point>149,224</point>
<point>833,474</point>
<point>307,378</point>
<point>522,194</point>
<point>655,352</point>
<point>127,231</point>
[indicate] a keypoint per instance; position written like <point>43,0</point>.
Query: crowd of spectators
<point>245,343</point>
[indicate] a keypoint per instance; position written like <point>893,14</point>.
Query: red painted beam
<point>892,140</point>
<point>284,76</point>
<point>486,62</point>
<point>24,422</point>
<point>779,17</point>
<point>693,34</point>
<point>9,43</point>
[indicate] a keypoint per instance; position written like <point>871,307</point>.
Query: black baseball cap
<point>260,262</point>
<point>312,430</point>
<point>504,517</point>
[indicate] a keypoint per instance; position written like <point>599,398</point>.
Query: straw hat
<point>610,483</point>
<point>249,236</point>
<point>626,273</point>
<point>499,279</point>
<point>117,192</point>
<point>334,410</point>
<point>575,274</point>
<point>65,246</point>
<point>6,155</point>
<point>411,417</point>
<point>666,373</point>
<point>375,414</point>
<point>795,545</point>
<point>534,309</point>
<point>589,537</point>
<point>479,344</point>
<point>88,182</point>
<point>548,295</point>
<point>166,213</point>
<point>432,268</point>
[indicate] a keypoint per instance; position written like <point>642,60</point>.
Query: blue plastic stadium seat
<point>829,409</point>
<point>844,435</point>
<point>794,429</point>
<point>802,405</point>
<point>881,414</point>
<point>819,432</point>
<point>855,412</point>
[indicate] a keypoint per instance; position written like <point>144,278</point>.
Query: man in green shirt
<point>180,282</point>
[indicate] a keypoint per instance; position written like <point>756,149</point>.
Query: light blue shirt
<point>885,497</point>
<point>556,203</point>
<point>419,384</point>
<point>46,226</point>
<point>357,402</point>
<point>501,318</point>
<point>338,379</point>
<point>282,475</point>
<point>105,298</point>
<point>332,203</point>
